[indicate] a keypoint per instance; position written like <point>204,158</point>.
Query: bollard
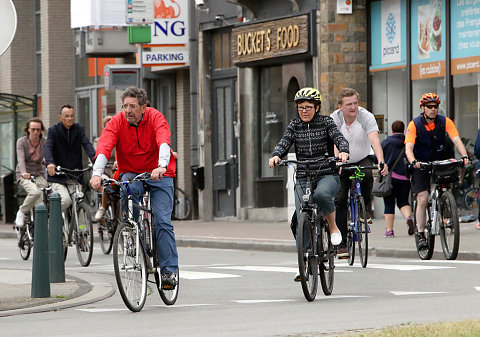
<point>55,240</point>
<point>40,275</point>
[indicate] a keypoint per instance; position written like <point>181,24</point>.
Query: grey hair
<point>138,93</point>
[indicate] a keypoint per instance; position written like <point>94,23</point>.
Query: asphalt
<point>85,288</point>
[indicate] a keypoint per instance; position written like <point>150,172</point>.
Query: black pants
<point>341,200</point>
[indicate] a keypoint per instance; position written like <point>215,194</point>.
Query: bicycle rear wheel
<point>169,297</point>
<point>84,235</point>
<point>427,252</point>
<point>449,226</point>
<point>106,230</point>
<point>24,243</point>
<point>307,261</point>
<point>181,205</point>
<point>130,267</point>
<point>470,199</point>
<point>326,258</point>
<point>362,231</point>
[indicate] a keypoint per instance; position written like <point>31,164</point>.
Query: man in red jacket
<point>141,136</point>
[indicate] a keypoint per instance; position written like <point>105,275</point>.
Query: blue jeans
<point>161,202</point>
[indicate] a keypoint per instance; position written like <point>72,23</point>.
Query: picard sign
<point>270,39</point>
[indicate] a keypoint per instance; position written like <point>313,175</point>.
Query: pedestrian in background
<point>393,147</point>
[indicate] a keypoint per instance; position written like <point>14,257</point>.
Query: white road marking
<point>102,309</point>
<point>198,275</point>
<point>477,288</point>
<point>403,267</point>
<point>261,301</point>
<point>183,305</point>
<point>270,269</point>
<point>408,293</point>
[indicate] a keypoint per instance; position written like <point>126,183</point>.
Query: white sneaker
<point>20,219</point>
<point>336,238</point>
<point>100,213</point>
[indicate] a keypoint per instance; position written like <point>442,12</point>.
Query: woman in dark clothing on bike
<point>392,146</point>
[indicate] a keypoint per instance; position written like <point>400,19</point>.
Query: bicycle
<point>181,205</point>
<point>315,252</point>
<point>108,225</point>
<point>441,212</point>
<point>77,224</point>
<point>25,234</point>
<point>135,254</point>
<point>464,190</point>
<point>358,228</point>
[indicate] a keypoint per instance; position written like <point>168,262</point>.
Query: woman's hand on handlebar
<point>272,162</point>
<point>343,157</point>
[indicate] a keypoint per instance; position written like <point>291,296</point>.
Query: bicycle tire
<point>307,260</point>
<point>362,231</point>
<point>66,232</point>
<point>130,267</point>
<point>326,258</point>
<point>106,230</point>
<point>182,207</point>
<point>449,226</point>
<point>470,199</point>
<point>24,244</point>
<point>350,247</point>
<point>84,235</point>
<point>425,253</point>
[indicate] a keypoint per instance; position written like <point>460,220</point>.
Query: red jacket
<point>137,148</point>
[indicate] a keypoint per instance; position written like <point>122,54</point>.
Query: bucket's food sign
<point>170,22</point>
<point>270,39</point>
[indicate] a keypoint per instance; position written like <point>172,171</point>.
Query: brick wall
<point>57,58</point>
<point>342,51</point>
<point>182,131</point>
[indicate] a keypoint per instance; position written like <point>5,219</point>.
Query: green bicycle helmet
<point>308,94</point>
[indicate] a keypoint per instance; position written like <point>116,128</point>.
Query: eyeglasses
<point>306,108</point>
<point>432,106</point>
<point>130,106</point>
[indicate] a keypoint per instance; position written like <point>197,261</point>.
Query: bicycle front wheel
<point>84,235</point>
<point>24,243</point>
<point>130,267</point>
<point>307,261</point>
<point>362,231</point>
<point>106,230</point>
<point>449,226</point>
<point>425,253</point>
<point>326,257</point>
<point>470,199</point>
<point>181,205</point>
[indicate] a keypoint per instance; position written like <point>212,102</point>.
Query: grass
<point>470,328</point>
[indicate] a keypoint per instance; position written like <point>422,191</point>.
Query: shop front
<point>424,46</point>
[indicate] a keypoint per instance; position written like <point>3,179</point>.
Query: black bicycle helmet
<point>308,94</point>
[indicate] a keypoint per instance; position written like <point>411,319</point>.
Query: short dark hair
<point>35,120</point>
<point>138,93</point>
<point>346,92</point>
<point>398,126</point>
<point>68,106</point>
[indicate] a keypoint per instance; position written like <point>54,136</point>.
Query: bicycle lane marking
<point>269,269</point>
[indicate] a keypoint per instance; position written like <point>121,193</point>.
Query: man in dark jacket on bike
<point>64,148</point>
<point>425,141</point>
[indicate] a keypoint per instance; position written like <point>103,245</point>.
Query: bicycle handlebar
<point>431,164</point>
<point>306,163</point>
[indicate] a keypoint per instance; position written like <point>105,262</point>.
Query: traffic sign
<point>8,17</point>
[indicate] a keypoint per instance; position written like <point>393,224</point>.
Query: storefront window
<point>272,110</point>
<point>436,85</point>
<point>467,107</point>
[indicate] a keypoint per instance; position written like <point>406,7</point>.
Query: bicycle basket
<point>445,174</point>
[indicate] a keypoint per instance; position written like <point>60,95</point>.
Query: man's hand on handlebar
<point>343,157</point>
<point>51,169</point>
<point>96,182</point>
<point>383,168</point>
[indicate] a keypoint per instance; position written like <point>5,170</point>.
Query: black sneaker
<point>169,281</point>
<point>421,240</point>
<point>342,252</point>
<point>297,278</point>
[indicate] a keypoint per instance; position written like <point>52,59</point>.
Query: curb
<point>89,292</point>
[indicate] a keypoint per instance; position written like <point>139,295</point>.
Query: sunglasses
<point>435,106</point>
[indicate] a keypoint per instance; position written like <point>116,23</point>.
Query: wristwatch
<point>414,162</point>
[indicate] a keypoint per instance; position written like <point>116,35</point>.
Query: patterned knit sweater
<point>313,140</point>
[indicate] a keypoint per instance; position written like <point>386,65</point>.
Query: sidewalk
<point>79,289</point>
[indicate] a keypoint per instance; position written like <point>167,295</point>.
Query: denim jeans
<point>161,202</point>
